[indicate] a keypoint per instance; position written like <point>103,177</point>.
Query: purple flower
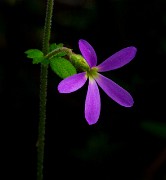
<point>113,90</point>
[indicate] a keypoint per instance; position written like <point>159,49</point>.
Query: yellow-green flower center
<point>92,73</point>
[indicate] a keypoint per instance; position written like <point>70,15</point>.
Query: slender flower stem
<point>43,91</point>
<point>58,50</point>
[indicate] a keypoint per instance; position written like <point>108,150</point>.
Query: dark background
<point>126,143</point>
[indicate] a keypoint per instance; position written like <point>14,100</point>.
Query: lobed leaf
<point>34,53</point>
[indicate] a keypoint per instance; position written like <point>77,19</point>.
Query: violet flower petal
<point>88,52</point>
<point>92,103</point>
<point>118,59</point>
<point>114,91</point>
<point>72,83</point>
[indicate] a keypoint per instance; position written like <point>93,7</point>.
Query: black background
<point>116,146</point>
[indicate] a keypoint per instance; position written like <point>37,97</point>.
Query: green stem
<point>58,50</point>
<point>43,91</point>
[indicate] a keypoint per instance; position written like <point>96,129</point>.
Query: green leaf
<point>55,46</point>
<point>38,60</point>
<point>156,128</point>
<point>34,53</point>
<point>37,56</point>
<point>62,67</point>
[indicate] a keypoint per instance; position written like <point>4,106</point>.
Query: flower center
<point>92,73</point>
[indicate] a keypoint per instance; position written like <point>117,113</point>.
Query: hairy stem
<point>43,92</point>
